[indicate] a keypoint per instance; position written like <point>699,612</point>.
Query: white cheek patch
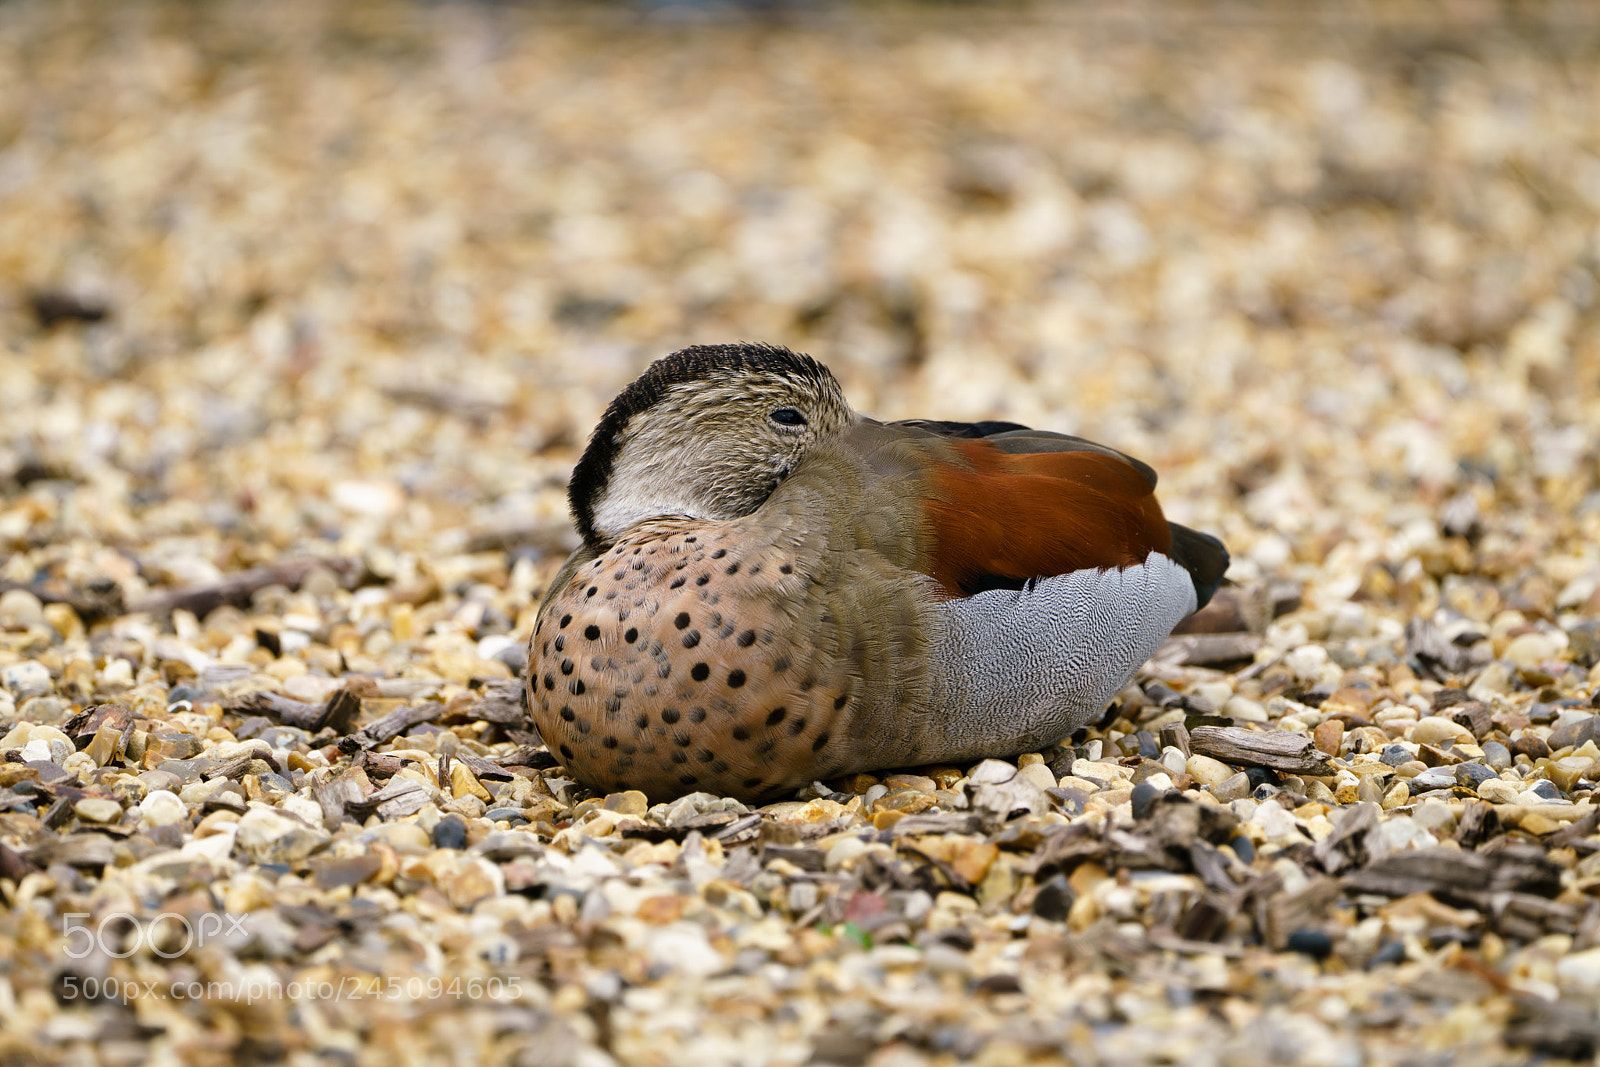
<point>1026,668</point>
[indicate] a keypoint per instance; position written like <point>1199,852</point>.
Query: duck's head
<point>705,433</point>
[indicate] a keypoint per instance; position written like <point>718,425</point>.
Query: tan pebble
<point>663,909</point>
<point>476,880</point>
<point>1567,771</point>
<point>1027,759</point>
<point>20,609</point>
<point>906,801</point>
<point>820,810</point>
<point>1207,771</point>
<point>1038,774</point>
<point>843,854</point>
<point>1328,736</point>
<point>1537,824</point>
<point>855,783</point>
<point>96,809</point>
<point>464,783</point>
<point>884,820</point>
<point>1496,791</point>
<point>921,783</point>
<point>1436,729</point>
<point>627,802</point>
<point>64,621</point>
<point>1396,796</point>
<point>973,859</point>
<point>1530,650</point>
<point>999,885</point>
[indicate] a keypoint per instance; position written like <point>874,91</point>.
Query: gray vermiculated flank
<point>1024,669</point>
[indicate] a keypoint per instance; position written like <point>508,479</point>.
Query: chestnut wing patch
<point>1000,518</point>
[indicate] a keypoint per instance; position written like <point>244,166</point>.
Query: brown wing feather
<point>1007,516</point>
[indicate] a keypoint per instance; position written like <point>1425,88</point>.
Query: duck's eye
<point>788,417</point>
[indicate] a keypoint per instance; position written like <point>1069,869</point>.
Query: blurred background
<point>359,278</point>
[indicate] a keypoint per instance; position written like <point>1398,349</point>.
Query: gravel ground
<point>308,309</point>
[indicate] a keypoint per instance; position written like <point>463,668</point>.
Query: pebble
<point>96,810</point>
<point>1313,943</point>
<point>1472,775</point>
<point>162,807</point>
<point>1207,771</point>
<point>265,836</point>
<point>1496,755</point>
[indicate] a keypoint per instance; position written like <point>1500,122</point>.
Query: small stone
<point>1144,799</point>
<point>1546,790</point>
<point>1530,746</point>
<point>1570,770</point>
<point>25,679</point>
<point>1530,650</point>
<point>1054,899</point>
<point>337,872</point>
<point>269,837</point>
<point>1235,787</point>
<point>1498,791</point>
<point>1576,734</point>
<point>1496,755</point>
<point>1579,972</point>
<point>1328,736</point>
<point>464,783</point>
<point>19,610</point>
<point>1314,943</point>
<point>1394,755</point>
<point>628,802</point>
<point>1432,778</point>
<point>1207,771</point>
<point>1472,775</point>
<point>161,807</point>
<point>476,880</point>
<point>98,810</point>
<point>450,832</point>
<point>1436,730</point>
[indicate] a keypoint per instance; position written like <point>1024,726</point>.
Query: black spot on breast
<point>741,734</point>
<point>840,700</point>
<point>614,705</point>
<point>781,664</point>
<point>566,666</point>
<point>663,669</point>
<point>622,572</point>
<point>681,738</point>
<point>719,553</point>
<point>567,713</point>
<point>765,746</point>
<point>703,579</point>
<point>549,680</point>
<point>691,539</point>
<point>691,639</point>
<point>676,583</point>
<point>669,715</point>
<point>719,767</point>
<point>747,639</point>
<point>561,642</point>
<point>565,751</point>
<point>641,721</point>
<point>564,620</point>
<point>700,672</point>
<point>733,568</point>
<point>576,687</point>
<point>688,779</point>
<point>592,590</point>
<point>785,569</point>
<point>705,755</point>
<point>821,742</point>
<point>611,742</point>
<point>680,756</point>
<point>592,632</point>
<point>584,726</point>
<point>797,727</point>
<point>735,678</point>
<point>775,716</point>
<point>631,635</point>
<point>682,621</point>
<point>808,683</point>
<point>697,714</point>
<point>752,783</point>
